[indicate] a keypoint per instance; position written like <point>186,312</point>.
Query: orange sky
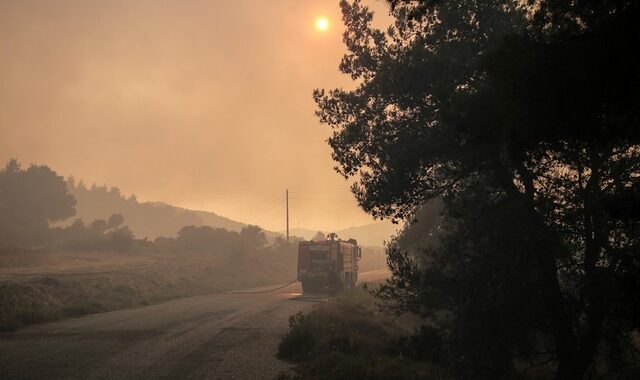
<point>201,104</point>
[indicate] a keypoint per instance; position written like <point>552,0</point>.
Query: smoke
<point>196,103</point>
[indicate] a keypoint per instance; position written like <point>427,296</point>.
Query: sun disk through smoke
<point>322,24</point>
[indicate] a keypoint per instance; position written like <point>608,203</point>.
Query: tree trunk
<point>561,322</point>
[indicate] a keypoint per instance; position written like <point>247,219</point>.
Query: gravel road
<point>219,336</point>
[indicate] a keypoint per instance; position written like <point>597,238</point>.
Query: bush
<point>349,338</point>
<point>298,343</point>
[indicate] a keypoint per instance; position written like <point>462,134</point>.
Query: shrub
<point>349,338</point>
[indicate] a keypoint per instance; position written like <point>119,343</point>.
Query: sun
<point>322,24</point>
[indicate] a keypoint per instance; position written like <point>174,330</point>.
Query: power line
<point>322,199</point>
<point>319,192</point>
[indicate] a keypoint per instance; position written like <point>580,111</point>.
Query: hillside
<point>146,219</point>
<point>154,219</point>
<point>374,234</point>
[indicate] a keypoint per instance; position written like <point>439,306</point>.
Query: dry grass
<point>38,286</point>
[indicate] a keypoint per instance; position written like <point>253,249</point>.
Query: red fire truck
<point>328,266</point>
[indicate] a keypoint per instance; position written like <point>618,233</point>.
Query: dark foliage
<point>250,240</point>
<point>348,338</point>
<point>253,237</point>
<point>99,235</point>
<point>524,117</point>
<point>207,238</point>
<point>31,199</point>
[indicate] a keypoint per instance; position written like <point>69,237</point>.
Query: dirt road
<point>220,336</point>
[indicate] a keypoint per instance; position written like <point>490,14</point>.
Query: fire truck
<point>328,266</point>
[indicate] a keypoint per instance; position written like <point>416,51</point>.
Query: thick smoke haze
<point>201,104</point>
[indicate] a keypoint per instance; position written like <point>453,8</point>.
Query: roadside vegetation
<point>351,337</point>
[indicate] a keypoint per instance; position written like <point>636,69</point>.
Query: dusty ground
<point>220,336</point>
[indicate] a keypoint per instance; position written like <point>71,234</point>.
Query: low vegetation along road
<point>214,336</point>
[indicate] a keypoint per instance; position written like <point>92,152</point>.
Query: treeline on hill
<point>146,219</point>
<point>523,117</point>
<point>34,199</point>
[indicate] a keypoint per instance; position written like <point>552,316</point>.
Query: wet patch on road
<point>311,298</point>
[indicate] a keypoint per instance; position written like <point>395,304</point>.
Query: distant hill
<point>373,234</point>
<point>154,219</point>
<point>145,219</point>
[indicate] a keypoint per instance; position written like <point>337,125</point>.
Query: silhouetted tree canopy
<point>30,199</point>
<point>524,117</point>
<point>115,220</point>
<point>253,237</point>
<point>99,235</point>
<point>319,236</point>
<point>208,238</point>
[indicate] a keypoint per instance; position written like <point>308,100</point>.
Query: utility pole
<point>287,202</point>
